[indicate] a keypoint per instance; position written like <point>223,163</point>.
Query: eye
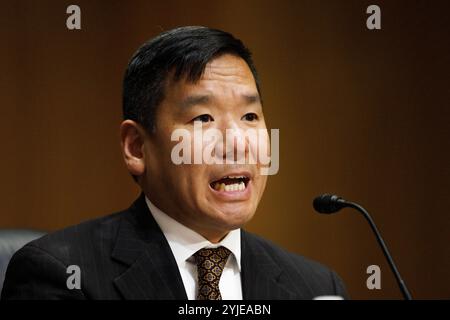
<point>250,117</point>
<point>203,118</point>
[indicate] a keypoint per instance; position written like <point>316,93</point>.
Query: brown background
<point>361,113</point>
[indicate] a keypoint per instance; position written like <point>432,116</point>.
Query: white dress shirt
<point>184,242</point>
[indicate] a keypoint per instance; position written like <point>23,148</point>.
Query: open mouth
<point>231,183</point>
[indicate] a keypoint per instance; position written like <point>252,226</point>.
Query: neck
<point>213,235</point>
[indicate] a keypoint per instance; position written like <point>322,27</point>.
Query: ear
<point>132,137</point>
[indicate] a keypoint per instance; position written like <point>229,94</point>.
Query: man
<point>181,239</point>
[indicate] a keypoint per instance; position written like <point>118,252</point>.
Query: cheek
<point>259,146</point>
<point>263,184</point>
<point>260,187</point>
<point>191,178</point>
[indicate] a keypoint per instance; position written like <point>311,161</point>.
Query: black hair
<point>185,51</point>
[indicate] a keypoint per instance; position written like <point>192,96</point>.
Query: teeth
<point>219,186</point>
<point>230,187</point>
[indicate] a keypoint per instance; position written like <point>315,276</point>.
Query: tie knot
<point>210,264</point>
<point>216,255</point>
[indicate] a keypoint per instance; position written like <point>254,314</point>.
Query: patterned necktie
<point>210,264</point>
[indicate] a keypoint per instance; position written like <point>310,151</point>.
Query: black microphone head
<point>328,203</point>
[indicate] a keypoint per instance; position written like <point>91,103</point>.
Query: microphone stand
<point>386,253</point>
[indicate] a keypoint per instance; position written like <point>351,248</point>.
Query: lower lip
<point>234,195</point>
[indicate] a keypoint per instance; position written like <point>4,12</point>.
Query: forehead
<point>226,74</point>
<point>228,68</point>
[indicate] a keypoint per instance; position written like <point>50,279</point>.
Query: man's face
<point>196,195</point>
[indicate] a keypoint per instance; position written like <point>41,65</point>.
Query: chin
<point>234,216</point>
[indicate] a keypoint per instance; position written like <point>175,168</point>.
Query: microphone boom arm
<point>384,248</point>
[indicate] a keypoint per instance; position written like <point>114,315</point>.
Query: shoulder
<point>319,278</point>
<point>39,269</point>
<point>285,258</point>
<point>80,239</point>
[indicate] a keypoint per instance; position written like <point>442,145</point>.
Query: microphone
<point>328,204</point>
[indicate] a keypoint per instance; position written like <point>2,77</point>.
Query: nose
<point>234,145</point>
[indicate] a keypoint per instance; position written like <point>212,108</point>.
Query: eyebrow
<point>252,98</point>
<point>194,100</point>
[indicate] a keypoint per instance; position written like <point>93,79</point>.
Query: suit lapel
<point>152,270</point>
<point>262,278</point>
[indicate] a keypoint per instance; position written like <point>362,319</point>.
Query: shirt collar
<point>184,241</point>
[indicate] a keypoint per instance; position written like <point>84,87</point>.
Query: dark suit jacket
<point>126,256</point>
